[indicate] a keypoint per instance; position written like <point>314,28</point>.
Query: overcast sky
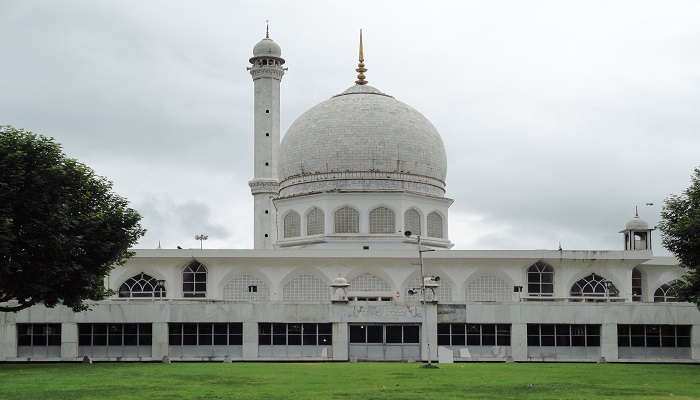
<point>558,117</point>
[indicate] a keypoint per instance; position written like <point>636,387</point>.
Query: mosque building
<point>352,261</point>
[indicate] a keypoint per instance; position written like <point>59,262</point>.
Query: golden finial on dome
<point>361,66</point>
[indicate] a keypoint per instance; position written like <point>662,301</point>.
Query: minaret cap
<point>361,66</point>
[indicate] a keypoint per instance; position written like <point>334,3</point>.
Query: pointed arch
<point>292,224</point>
<point>666,293</point>
<point>636,284</point>
<point>141,285</point>
<point>315,222</point>
<point>594,285</point>
<point>368,283</point>
<point>382,220</point>
<point>346,220</point>
<point>411,221</point>
<point>306,287</point>
<point>194,280</point>
<point>246,287</point>
<point>435,225</point>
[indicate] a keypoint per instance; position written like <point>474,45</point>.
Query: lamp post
<point>201,238</point>
<point>421,250</point>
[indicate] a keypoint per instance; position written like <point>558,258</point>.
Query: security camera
<point>407,233</point>
<point>436,279</point>
<point>411,292</point>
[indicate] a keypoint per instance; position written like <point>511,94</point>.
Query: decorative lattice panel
<point>381,220</point>
<point>411,220</point>
<point>315,222</point>
<point>305,288</point>
<point>246,288</point>
<point>368,283</point>
<point>435,225</point>
<point>347,220</point>
<point>292,224</point>
<point>488,288</point>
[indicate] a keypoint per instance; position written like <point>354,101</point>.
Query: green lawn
<point>365,381</point>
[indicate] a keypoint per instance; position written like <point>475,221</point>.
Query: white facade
<point>333,275</point>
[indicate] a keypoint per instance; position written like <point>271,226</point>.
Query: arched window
<point>315,222</point>
<point>347,220</point>
<point>292,224</point>
<point>435,225</point>
<point>665,293</point>
<point>411,221</point>
<point>194,280</point>
<point>305,288</point>
<point>540,279</point>
<point>368,283</point>
<point>246,288</point>
<point>141,285</point>
<point>636,284</point>
<point>381,220</point>
<point>488,288</point>
<point>594,286</point>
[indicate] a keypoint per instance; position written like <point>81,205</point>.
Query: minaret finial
<point>267,29</point>
<point>361,66</point>
<point>636,211</point>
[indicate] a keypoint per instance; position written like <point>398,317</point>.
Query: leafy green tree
<point>680,228</point>
<point>62,229</point>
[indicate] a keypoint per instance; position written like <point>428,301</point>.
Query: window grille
<point>292,224</point>
<point>239,289</point>
<point>411,219</point>
<point>302,334</point>
<point>205,334</point>
<point>473,334</point>
<point>540,279</point>
<point>435,225</point>
<point>114,334</point>
<point>488,288</point>
<point>594,286</point>
<point>653,335</point>
<point>563,335</point>
<point>194,280</point>
<point>347,220</point>
<point>38,335</point>
<point>381,220</point>
<point>315,222</point>
<point>383,334</point>
<point>665,293</point>
<point>141,285</point>
<point>368,283</point>
<point>636,285</point>
<point>305,288</point>
<point>443,294</point>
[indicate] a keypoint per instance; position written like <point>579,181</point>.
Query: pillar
<point>429,332</point>
<point>518,341</point>
<point>69,341</point>
<point>695,342</point>
<point>340,341</point>
<point>159,345</point>
<point>8,341</point>
<point>250,340</point>
<point>608,341</point>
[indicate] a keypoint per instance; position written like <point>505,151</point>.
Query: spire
<point>636,211</point>
<point>267,29</point>
<point>361,66</point>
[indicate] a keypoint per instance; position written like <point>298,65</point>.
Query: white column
<point>159,346</point>
<point>340,341</point>
<point>69,341</point>
<point>429,333</point>
<point>608,341</point>
<point>518,341</point>
<point>695,342</point>
<point>250,341</point>
<point>8,341</point>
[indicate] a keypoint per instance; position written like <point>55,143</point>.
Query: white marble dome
<point>362,139</point>
<point>637,224</point>
<point>267,48</point>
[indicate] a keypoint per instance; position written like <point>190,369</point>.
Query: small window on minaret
<point>266,235</point>
<point>267,133</point>
<point>267,111</point>
<point>267,163</point>
<point>267,212</point>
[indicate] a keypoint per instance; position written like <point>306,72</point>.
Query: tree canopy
<point>62,229</point>
<point>680,228</point>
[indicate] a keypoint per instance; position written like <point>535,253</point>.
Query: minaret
<point>267,72</point>
<point>637,233</point>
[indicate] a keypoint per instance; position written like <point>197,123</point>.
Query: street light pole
<point>201,238</point>
<point>422,288</point>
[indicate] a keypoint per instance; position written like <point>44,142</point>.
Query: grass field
<point>348,381</point>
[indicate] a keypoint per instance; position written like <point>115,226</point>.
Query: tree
<point>62,229</point>
<point>680,228</point>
